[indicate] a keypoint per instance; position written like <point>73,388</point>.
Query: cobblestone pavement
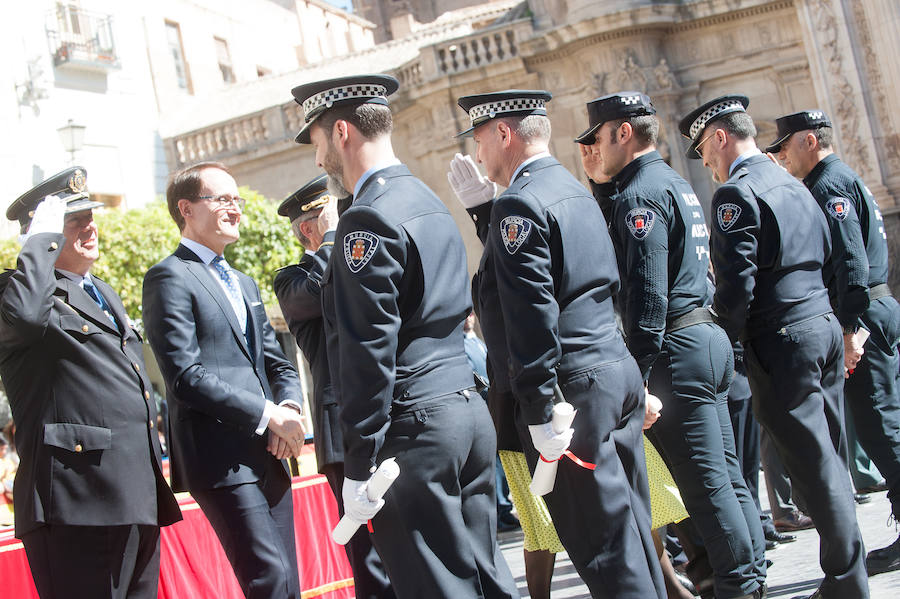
<point>795,570</point>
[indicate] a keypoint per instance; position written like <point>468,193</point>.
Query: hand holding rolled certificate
<point>545,472</point>
<point>376,487</point>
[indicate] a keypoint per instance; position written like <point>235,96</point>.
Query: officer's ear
<point>340,132</point>
<point>504,132</point>
<point>810,141</point>
<point>625,132</point>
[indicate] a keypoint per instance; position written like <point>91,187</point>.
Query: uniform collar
<point>748,154</point>
<point>627,173</point>
<point>816,172</point>
<point>365,176</point>
<point>526,162</point>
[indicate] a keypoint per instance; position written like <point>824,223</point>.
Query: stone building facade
<point>786,55</point>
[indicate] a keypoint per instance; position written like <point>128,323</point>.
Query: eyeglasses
<point>703,141</point>
<point>224,201</point>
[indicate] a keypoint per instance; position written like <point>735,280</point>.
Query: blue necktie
<point>234,293</point>
<point>98,299</point>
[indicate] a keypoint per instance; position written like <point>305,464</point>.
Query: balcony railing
<point>80,39</point>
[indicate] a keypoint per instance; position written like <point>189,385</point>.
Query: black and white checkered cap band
<point>328,97</point>
<point>711,113</point>
<point>492,109</point>
<point>629,100</point>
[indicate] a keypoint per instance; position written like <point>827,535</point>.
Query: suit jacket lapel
<point>201,272</point>
<point>81,302</point>
<point>254,327</point>
<point>115,304</point>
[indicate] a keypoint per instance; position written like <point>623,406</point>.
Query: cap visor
<point>81,207</point>
<point>466,133</point>
<point>588,138</point>
<point>775,146</point>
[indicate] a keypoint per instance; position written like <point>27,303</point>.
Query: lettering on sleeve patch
<point>838,208</point>
<point>514,230</point>
<point>640,221</point>
<point>359,247</point>
<point>727,215</point>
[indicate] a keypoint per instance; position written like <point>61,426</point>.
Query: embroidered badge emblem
<point>514,230</point>
<point>359,247</point>
<point>727,215</point>
<point>640,221</point>
<point>838,208</point>
<point>77,182</point>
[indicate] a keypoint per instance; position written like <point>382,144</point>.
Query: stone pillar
<point>838,81</point>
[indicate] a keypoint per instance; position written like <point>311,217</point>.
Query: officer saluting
<point>769,293</point>
<point>395,295</point>
<point>312,213</point>
<point>89,492</point>
<point>544,292</point>
<point>661,240</point>
<point>804,146</point>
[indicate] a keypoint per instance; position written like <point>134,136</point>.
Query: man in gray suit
<point>227,382</point>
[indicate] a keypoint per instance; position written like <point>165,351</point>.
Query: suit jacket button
<point>78,448</point>
<point>84,328</point>
<point>54,245</point>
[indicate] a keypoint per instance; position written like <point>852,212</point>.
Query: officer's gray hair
<point>736,124</point>
<point>295,226</point>
<point>825,137</point>
<point>531,128</point>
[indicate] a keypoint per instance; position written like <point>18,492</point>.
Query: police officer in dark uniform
<point>313,216</point>
<point>89,493</point>
<point>860,261</point>
<point>395,296</point>
<point>544,290</point>
<point>661,240</point>
<point>769,241</point>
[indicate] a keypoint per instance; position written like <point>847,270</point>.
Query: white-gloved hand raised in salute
<point>48,217</point>
<point>356,501</point>
<point>549,443</point>
<point>470,186</point>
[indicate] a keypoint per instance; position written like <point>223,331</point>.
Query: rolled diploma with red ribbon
<point>545,472</point>
<point>379,483</point>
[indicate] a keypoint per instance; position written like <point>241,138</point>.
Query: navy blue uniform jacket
<point>395,295</point>
<point>769,240</point>
<point>299,289</point>
<point>83,406</point>
<point>545,285</point>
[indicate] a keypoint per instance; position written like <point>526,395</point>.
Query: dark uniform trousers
<point>603,516</point>
<point>796,375</point>
<point>871,394</point>
<point>691,377</point>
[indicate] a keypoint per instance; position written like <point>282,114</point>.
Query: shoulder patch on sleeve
<point>727,215</point>
<point>514,231</point>
<point>359,247</point>
<point>640,221</point>
<point>838,208</point>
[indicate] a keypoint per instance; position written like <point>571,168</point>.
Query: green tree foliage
<point>134,240</point>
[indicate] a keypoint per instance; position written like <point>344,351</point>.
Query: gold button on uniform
<point>54,245</point>
<point>85,328</point>
<point>78,448</point>
<point>150,424</point>
<point>147,395</point>
<point>137,366</point>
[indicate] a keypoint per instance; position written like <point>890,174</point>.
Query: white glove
<point>471,188</point>
<point>356,501</point>
<point>48,218</point>
<point>549,443</point>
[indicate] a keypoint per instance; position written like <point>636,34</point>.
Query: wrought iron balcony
<point>81,40</point>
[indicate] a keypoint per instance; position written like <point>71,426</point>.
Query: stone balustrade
<point>222,140</point>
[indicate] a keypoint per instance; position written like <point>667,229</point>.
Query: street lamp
<point>72,137</point>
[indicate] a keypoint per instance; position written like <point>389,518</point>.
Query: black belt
<point>695,316</point>
<point>879,291</point>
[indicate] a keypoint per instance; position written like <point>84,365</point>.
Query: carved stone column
<point>841,91</point>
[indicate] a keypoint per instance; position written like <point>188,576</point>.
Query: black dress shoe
<point>861,499</point>
<point>876,488</point>
<point>885,559</point>
<point>816,595</point>
<point>779,537</point>
<point>685,582</point>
